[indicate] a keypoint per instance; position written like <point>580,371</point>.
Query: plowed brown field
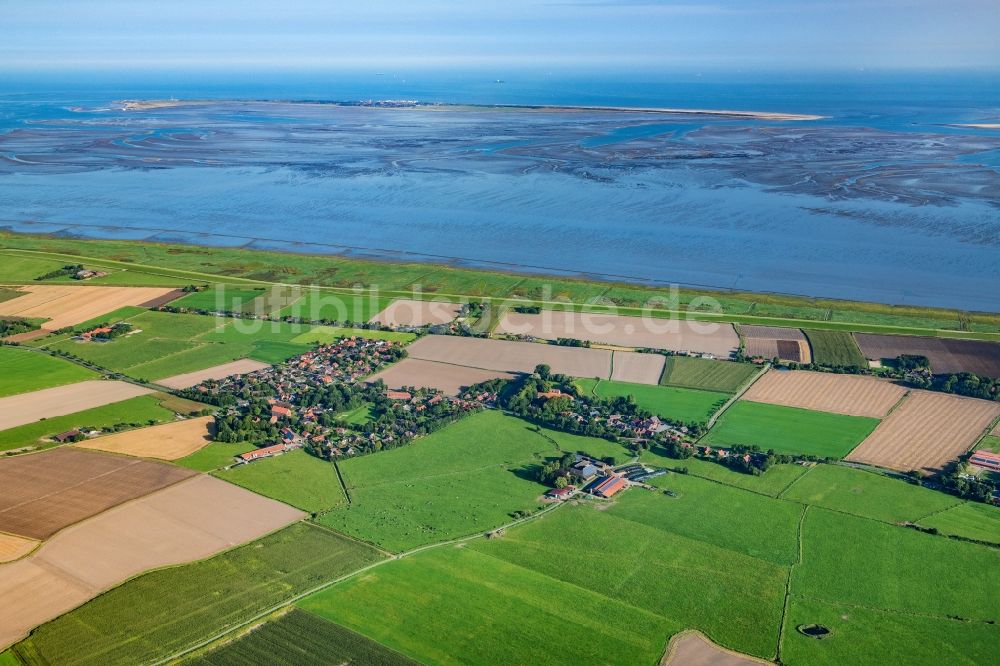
<point>637,368</point>
<point>639,332</point>
<point>169,441</point>
<point>506,356</point>
<point>66,305</point>
<point>926,431</point>
<point>406,312</point>
<point>189,379</point>
<point>45,492</point>
<point>450,379</point>
<point>855,395</point>
<point>188,521</point>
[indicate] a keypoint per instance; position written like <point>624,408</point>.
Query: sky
<point>499,35</point>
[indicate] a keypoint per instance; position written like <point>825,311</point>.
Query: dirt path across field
<point>691,648</point>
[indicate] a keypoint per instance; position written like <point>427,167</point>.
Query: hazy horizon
<point>585,36</point>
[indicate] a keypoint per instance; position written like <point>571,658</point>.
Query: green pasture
<point>164,611</point>
<point>167,344</point>
<point>214,456</point>
<point>873,636</point>
<point>678,404</point>
<point>789,429</point>
<point>720,515</point>
<point>325,305</point>
<point>299,638</point>
<point>969,519</point>
<point>223,298</point>
<point>866,494</point>
<point>706,374</point>
<point>452,606</point>
<point>835,348</point>
<point>853,560</point>
<point>771,483</point>
<point>22,371</point>
<point>295,478</point>
<point>469,476</point>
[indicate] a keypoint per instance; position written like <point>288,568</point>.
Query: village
<point>302,404</point>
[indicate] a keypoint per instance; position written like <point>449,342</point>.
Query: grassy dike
<point>134,262</point>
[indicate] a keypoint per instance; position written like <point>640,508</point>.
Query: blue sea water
<point>883,199</point>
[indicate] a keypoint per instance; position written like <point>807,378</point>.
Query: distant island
<point>143,105</point>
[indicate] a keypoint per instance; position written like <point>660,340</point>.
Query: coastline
<point>199,263</point>
<point>146,105</point>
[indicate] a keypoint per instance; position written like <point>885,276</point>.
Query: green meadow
<point>161,612</point>
<point>789,429</point>
<point>469,476</point>
<point>295,478</point>
<point>873,636</point>
<point>969,519</point>
<point>866,494</point>
<point>222,298</point>
<point>323,305</point>
<point>877,565</point>
<point>706,374</point>
<point>772,483</point>
<point>214,456</point>
<point>22,371</point>
<point>167,344</point>
<point>685,405</point>
<point>484,610</point>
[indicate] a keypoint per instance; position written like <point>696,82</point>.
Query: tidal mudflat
<point>816,207</point>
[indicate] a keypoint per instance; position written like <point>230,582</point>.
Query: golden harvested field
<point>855,395</point>
<point>188,521</point>
<point>450,379</point>
<point>637,368</point>
<point>406,312</point>
<point>690,648</point>
<point>25,408</point>
<point>189,379</point>
<point>639,332</point>
<point>926,431</point>
<point>66,305</point>
<point>169,441</point>
<point>506,356</point>
<point>12,547</point>
<point>45,492</point>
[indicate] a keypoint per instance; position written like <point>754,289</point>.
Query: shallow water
<point>886,205</point>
